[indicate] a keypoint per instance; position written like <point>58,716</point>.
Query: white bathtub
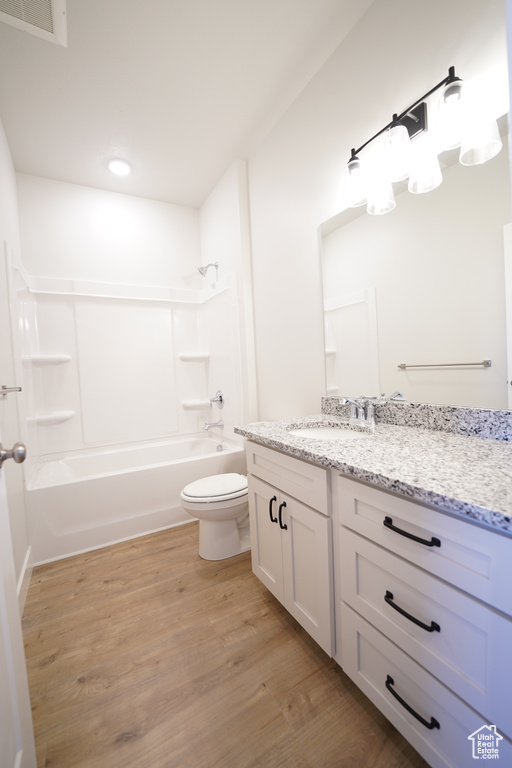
<point>87,501</point>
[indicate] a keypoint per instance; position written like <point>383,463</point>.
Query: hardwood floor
<point>142,654</point>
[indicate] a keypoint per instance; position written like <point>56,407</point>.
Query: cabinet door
<point>267,561</point>
<point>307,569</point>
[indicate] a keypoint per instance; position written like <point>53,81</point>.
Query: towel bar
<point>484,364</point>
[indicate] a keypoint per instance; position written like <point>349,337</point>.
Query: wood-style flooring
<point>143,655</point>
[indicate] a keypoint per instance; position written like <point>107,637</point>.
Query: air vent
<point>43,18</point>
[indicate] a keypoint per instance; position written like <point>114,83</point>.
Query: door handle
<point>282,525</point>
<point>272,518</point>
<point>18,453</point>
<point>428,724</point>
<point>5,390</point>
<point>388,522</point>
<point>432,627</point>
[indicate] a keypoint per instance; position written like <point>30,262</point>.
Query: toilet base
<point>221,539</point>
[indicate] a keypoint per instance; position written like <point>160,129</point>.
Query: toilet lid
<point>216,485</point>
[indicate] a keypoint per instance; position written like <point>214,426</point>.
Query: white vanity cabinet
<point>424,605</point>
<point>291,537</point>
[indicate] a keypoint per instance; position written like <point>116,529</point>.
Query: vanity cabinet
<point>291,537</point>
<point>424,621</point>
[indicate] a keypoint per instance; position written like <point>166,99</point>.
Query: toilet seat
<point>216,488</point>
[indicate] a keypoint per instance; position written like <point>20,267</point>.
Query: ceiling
<point>179,88</point>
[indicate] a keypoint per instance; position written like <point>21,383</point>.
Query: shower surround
<point>118,379</point>
<point>122,344</point>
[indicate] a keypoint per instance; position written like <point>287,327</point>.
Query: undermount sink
<point>326,433</point>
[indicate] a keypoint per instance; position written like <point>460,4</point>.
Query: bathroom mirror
<point>424,287</point>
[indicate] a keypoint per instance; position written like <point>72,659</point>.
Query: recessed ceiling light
<point>119,167</point>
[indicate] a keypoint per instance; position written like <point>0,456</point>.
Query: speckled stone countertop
<point>468,476</point>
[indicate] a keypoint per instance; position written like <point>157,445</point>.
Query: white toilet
<point>220,503</point>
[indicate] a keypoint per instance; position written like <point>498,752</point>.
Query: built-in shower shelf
<point>48,419</point>
<point>194,357</point>
<point>195,405</point>
<point>48,359</point>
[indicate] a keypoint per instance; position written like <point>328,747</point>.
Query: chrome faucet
<point>357,411</point>
<point>370,412</point>
<point>361,411</point>
<point>219,424</point>
<point>394,396</point>
<point>219,399</point>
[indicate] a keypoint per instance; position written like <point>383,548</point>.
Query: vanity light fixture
<point>409,155</point>
<point>119,167</point>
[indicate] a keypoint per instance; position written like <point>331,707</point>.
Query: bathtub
<point>90,500</point>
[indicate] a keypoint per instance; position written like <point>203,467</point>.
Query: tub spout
<point>219,424</point>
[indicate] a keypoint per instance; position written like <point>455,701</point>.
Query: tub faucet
<point>219,424</point>
<point>219,399</point>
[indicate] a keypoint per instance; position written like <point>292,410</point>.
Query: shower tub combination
<point>90,500</point>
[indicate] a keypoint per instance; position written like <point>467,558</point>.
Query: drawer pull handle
<point>388,522</point>
<point>388,597</point>
<point>282,525</point>
<point>272,518</point>
<point>430,725</point>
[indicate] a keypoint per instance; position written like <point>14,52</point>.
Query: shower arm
<point>204,270</point>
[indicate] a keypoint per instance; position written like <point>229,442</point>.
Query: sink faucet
<point>357,412</point>
<point>219,424</point>
<point>361,411</point>
<point>394,396</point>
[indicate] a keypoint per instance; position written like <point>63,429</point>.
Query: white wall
<point>76,232</point>
<point>225,238</point>
<point>398,51</point>
<point>9,421</point>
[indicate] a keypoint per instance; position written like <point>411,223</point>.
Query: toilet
<point>220,503</point>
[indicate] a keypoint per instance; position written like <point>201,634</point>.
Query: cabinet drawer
<point>304,481</point>
<point>464,643</point>
<point>473,558</point>
<point>381,669</point>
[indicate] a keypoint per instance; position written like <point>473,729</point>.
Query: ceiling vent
<point>43,18</point>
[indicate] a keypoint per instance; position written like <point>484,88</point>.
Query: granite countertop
<point>468,476</point>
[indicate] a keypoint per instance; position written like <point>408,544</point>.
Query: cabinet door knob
<point>272,518</point>
<point>282,525</point>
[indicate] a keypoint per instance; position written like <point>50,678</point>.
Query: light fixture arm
<point>397,118</point>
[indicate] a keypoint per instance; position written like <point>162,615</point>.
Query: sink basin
<point>326,433</point>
